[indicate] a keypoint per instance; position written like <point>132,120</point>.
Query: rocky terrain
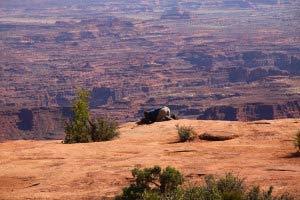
<point>261,151</point>
<point>209,59</point>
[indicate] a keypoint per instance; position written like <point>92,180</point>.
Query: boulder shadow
<point>217,137</point>
<point>293,155</point>
<point>175,142</point>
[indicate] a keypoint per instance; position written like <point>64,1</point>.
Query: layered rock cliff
<point>33,123</point>
<point>253,111</point>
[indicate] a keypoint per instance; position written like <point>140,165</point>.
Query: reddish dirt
<point>262,153</point>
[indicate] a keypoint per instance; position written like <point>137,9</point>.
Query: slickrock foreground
<point>262,152</point>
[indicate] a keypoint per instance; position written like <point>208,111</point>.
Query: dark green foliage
<point>186,133</point>
<point>150,195</point>
<point>297,141</point>
<point>176,194</point>
<point>81,129</point>
<point>147,177</point>
<point>154,184</point>
<point>230,185</point>
<point>144,179</point>
<point>194,193</point>
<point>170,179</point>
<point>253,193</point>
<point>256,194</point>
<point>75,135</point>
<point>232,195</point>
<point>78,129</point>
<point>151,183</point>
<point>103,129</point>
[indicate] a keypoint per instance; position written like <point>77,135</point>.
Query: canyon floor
<point>211,60</point>
<point>263,153</point>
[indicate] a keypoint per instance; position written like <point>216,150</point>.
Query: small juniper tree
<point>81,108</point>
<point>78,130</point>
<point>83,129</point>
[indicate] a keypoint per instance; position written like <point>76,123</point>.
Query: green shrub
<point>151,195</point>
<point>186,133</point>
<point>229,184</point>
<point>104,129</point>
<point>76,135</point>
<point>195,193</point>
<point>176,194</point>
<point>256,194</point>
<point>170,179</point>
<point>81,129</point>
<point>144,181</point>
<point>155,184</point>
<point>151,183</point>
<point>297,141</point>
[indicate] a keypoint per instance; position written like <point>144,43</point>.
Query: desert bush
<point>229,184</point>
<point>75,135</point>
<point>150,183</point>
<point>103,129</point>
<point>151,195</point>
<point>81,129</point>
<point>256,194</point>
<point>297,141</point>
<point>225,188</point>
<point>185,133</point>
<point>155,184</point>
<point>170,179</point>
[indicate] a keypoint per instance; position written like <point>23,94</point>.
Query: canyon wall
<point>215,59</point>
<point>33,123</point>
<point>253,111</point>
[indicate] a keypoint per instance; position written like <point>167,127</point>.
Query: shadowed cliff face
<point>34,123</point>
<point>26,120</point>
<point>257,111</point>
<point>101,96</point>
<point>197,59</point>
<point>253,111</point>
<point>227,113</point>
<point>254,59</point>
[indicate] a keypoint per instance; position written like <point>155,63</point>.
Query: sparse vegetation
<point>82,129</point>
<point>103,129</point>
<point>78,129</point>
<point>186,133</point>
<point>149,183</point>
<point>297,141</point>
<point>153,184</point>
